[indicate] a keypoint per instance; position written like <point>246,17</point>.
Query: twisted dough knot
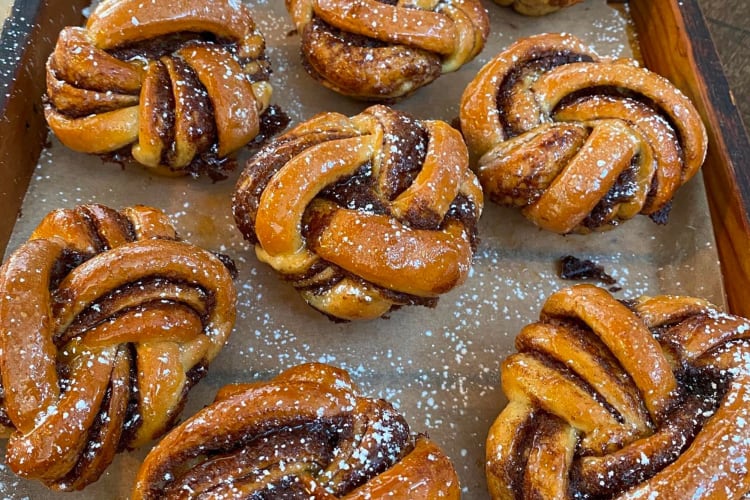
<point>537,7</point>
<point>305,434</point>
<point>580,143</point>
<point>633,400</point>
<point>384,49</point>
<point>184,82</point>
<point>106,321</point>
<point>363,214</point>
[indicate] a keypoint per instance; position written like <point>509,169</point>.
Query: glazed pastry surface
<point>177,85</point>
<point>607,399</point>
<point>537,7</point>
<point>307,433</point>
<point>363,214</point>
<point>577,142</point>
<point>381,50</point>
<point>106,322</point>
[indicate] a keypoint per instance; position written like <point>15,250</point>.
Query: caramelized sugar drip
<point>381,50</point>
<point>107,321</point>
<point>577,142</point>
<point>181,85</point>
<point>629,401</point>
<point>363,214</point>
<point>305,434</point>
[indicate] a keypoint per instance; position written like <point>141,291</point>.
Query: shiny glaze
<point>613,400</point>
<point>363,214</point>
<point>107,321</point>
<point>577,142</point>
<point>183,86</point>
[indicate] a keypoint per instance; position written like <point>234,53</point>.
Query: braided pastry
<point>106,322</point>
<point>384,49</point>
<point>363,214</point>
<point>305,434</point>
<point>580,143</point>
<point>183,82</point>
<point>646,399</point>
<point>537,7</point>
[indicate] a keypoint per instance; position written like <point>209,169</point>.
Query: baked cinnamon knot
<point>384,49</point>
<point>106,322</point>
<point>537,7</point>
<point>641,399</point>
<point>183,82</point>
<point>305,434</point>
<point>578,142</point>
<point>363,214</point>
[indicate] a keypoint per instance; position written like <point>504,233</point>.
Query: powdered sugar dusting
<point>439,367</point>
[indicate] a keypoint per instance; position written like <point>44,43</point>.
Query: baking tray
<point>439,366</point>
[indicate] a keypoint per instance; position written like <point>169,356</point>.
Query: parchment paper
<point>438,366</point>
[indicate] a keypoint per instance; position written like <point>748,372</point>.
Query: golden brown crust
<point>363,213</point>
<point>373,50</point>
<point>107,321</point>
<point>613,401</point>
<point>115,23</point>
<point>537,7</point>
<point>306,433</point>
<point>579,143</point>
<point>183,83</point>
<point>114,129</point>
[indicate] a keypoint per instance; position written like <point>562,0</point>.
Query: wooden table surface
<point>729,23</point>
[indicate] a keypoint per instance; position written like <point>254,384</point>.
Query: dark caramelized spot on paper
<point>573,268</point>
<point>661,216</point>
